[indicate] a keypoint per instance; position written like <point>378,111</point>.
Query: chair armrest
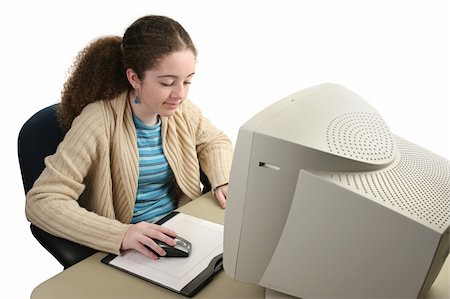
<point>66,252</point>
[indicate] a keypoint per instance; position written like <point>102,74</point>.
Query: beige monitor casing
<point>324,201</point>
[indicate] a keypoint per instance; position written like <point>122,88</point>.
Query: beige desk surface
<point>92,279</point>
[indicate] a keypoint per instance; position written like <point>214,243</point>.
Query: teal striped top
<point>156,188</point>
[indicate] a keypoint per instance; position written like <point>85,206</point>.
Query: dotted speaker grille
<point>418,184</point>
<point>361,136</point>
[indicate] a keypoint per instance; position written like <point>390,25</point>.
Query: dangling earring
<point>136,100</point>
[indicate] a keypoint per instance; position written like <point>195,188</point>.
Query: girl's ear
<point>133,78</point>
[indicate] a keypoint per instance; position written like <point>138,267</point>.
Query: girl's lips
<point>172,105</point>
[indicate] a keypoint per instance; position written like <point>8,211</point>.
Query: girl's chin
<point>167,112</point>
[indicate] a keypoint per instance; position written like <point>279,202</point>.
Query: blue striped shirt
<point>156,188</point>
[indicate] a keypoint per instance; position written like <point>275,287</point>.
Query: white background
<point>395,54</point>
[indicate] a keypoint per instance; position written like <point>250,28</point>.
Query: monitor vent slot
<point>418,184</point>
<point>361,136</point>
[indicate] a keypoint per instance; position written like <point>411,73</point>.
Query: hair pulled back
<point>98,72</point>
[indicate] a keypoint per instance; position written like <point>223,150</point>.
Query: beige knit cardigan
<point>87,190</point>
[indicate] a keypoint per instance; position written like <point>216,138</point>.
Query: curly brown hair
<point>98,72</point>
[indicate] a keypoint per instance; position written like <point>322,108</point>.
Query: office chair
<point>39,138</point>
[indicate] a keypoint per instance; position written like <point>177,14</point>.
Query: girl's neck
<point>138,109</point>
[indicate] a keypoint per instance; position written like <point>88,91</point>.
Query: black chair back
<point>38,138</point>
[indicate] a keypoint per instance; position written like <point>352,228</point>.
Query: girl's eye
<point>168,84</point>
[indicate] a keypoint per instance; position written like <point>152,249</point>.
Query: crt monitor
<point>325,202</point>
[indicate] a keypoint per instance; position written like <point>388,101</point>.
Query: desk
<point>92,279</point>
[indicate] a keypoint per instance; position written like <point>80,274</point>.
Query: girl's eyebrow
<point>174,77</point>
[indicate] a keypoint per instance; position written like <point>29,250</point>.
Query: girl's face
<point>164,87</point>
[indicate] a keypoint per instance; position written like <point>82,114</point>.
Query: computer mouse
<point>181,249</point>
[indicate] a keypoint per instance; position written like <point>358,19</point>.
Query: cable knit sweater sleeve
<point>213,148</point>
<point>192,141</point>
<point>53,203</point>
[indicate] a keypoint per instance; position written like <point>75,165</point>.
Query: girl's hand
<point>221,195</point>
<point>143,234</point>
